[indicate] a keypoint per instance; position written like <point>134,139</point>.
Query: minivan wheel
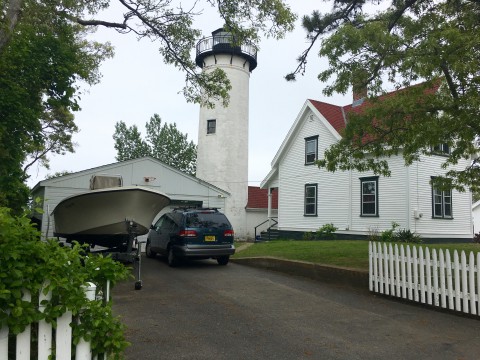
<point>148,250</point>
<point>171,258</point>
<point>223,260</point>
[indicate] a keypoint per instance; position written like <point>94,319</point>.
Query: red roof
<point>258,198</point>
<point>333,113</point>
<point>337,115</point>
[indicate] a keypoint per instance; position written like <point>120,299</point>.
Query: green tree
<point>164,142</point>
<point>434,45</point>
<point>40,68</point>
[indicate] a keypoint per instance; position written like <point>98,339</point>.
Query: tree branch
<point>101,23</point>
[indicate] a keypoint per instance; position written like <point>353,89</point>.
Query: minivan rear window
<point>204,220</point>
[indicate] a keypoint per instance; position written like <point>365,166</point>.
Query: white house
<point>358,203</point>
<point>183,189</point>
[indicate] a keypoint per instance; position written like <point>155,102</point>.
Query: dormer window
<point>311,150</point>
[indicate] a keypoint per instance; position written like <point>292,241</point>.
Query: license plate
<point>209,238</point>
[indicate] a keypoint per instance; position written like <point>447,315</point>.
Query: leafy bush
<point>407,236</point>
<point>392,234</point>
<point>373,233</point>
<point>476,238</point>
<point>29,264</point>
<point>308,235</point>
<point>388,235</point>
<point>326,232</point>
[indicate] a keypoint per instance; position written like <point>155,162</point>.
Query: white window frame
<point>442,199</point>
<point>309,153</point>
<point>370,180</point>
<point>310,200</point>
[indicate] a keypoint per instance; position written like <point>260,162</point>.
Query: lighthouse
<point>222,153</point>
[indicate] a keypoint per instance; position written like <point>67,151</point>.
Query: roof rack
<point>186,208</point>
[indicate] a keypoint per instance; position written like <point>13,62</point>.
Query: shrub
<point>388,235</point>
<point>326,232</point>
<point>373,233</point>
<point>308,235</point>
<point>476,238</point>
<point>407,236</point>
<point>27,263</point>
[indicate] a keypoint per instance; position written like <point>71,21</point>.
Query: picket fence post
<point>449,280</point>
<point>443,294</point>
<point>83,350</point>
<point>4,342</point>
<point>422,275</point>
<point>24,338</point>
<point>44,328</point>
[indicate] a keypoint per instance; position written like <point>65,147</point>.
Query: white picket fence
<point>427,277</point>
<point>63,336</point>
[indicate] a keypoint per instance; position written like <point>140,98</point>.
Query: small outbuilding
<point>183,189</point>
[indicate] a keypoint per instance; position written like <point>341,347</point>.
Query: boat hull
<point>103,217</point>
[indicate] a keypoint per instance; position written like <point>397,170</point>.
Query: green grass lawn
<point>346,253</point>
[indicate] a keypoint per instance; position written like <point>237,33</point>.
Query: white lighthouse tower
<point>222,154</point>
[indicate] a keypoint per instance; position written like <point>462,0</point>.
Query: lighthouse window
<point>211,126</point>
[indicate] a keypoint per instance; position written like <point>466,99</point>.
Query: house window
<point>442,149</point>
<point>310,200</point>
<point>441,203</point>
<point>311,150</point>
<point>211,126</point>
<point>369,196</point>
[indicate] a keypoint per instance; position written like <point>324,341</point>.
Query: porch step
<point>270,234</point>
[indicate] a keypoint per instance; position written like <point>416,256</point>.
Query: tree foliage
<point>163,142</point>
<point>390,46</point>
<point>35,266</point>
<point>40,66</point>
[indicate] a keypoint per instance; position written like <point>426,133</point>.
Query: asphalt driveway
<point>205,311</point>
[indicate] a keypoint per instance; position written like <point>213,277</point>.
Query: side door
<point>154,235</point>
<point>164,233</point>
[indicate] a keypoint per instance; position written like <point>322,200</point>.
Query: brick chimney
<point>359,85</point>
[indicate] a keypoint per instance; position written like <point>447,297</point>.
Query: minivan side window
<point>158,224</point>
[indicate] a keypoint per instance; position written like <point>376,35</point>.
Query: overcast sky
<point>137,84</point>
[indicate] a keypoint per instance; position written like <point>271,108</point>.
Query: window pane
<point>311,146</point>
<point>369,187</point>
<point>447,200</point>
<point>310,151</point>
<point>438,210</point>
<point>368,209</point>
<point>310,209</point>
<point>368,198</point>
<point>310,191</point>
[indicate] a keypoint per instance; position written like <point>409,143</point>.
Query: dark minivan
<point>193,234</point>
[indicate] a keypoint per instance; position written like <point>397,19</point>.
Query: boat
<point>108,217</point>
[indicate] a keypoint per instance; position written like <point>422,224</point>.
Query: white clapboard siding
<point>432,278</point>
<point>63,335</point>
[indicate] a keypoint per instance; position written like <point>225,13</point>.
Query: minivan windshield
<point>207,220</point>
